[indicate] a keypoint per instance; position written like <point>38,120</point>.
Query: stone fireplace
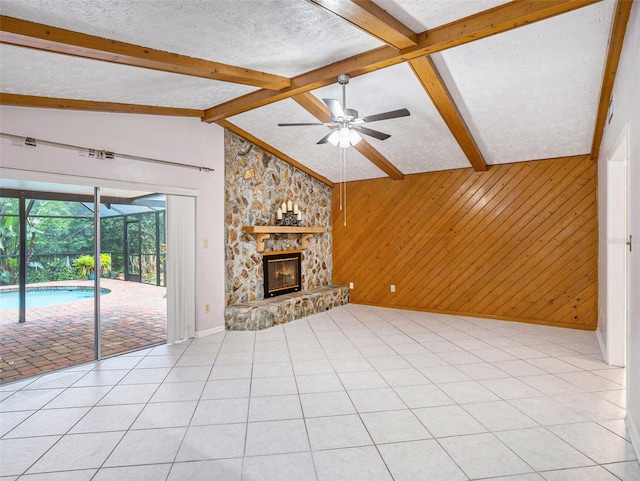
<point>256,183</point>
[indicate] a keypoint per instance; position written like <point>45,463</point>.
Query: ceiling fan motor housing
<point>343,79</point>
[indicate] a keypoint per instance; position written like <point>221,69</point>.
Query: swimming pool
<point>47,296</point>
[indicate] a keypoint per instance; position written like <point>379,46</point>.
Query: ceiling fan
<point>345,124</point>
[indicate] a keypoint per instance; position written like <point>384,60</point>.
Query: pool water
<point>48,297</point>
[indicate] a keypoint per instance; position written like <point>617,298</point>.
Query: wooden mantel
<point>263,232</point>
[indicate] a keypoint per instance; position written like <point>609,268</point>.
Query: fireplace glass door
<point>281,274</point>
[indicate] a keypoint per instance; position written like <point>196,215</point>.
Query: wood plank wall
<point>518,242</point>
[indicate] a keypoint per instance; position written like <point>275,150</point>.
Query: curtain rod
<point>101,154</point>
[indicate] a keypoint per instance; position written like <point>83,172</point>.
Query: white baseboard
<point>634,433</point>
<point>603,347</point>
<point>208,332</point>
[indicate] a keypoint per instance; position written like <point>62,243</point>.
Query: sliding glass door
<point>51,269</point>
<point>132,235</point>
<point>46,295</point>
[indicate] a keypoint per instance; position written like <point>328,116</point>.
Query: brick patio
<point>133,316</point>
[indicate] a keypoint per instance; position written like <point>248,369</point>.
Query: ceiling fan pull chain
<point>340,175</point>
<point>344,184</point>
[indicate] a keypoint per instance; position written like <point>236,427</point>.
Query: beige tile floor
<point>357,394</point>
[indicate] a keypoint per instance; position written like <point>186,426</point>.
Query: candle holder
<point>288,214</point>
<point>288,219</point>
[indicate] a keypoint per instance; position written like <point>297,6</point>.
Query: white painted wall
<point>183,140</point>
<point>626,110</point>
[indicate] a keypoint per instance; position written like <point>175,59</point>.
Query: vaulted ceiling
<point>486,81</point>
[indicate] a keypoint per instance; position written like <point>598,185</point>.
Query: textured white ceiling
<point>533,92</point>
<point>34,72</point>
<point>526,94</point>
<point>284,37</point>
<point>426,14</point>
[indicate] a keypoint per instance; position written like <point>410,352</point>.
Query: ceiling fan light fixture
<point>334,138</point>
<point>354,137</point>
<point>344,136</point>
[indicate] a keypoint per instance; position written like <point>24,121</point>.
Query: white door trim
<point>616,251</point>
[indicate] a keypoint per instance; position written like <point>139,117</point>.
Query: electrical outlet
<point>207,308</point>
<point>205,243</point>
<point>393,288</point>
<point>350,285</point>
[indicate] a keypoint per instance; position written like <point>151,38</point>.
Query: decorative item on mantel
<point>288,214</point>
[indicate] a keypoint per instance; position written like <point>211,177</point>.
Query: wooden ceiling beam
<point>23,33</point>
<point>484,24</point>
<point>272,150</point>
<point>71,104</point>
<point>319,110</point>
<point>620,19</point>
<point>314,106</point>
<point>370,152</point>
<point>371,18</point>
<point>435,87</point>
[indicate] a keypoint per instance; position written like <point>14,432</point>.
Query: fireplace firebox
<point>282,273</point>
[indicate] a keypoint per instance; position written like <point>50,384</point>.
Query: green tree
<point>9,240</point>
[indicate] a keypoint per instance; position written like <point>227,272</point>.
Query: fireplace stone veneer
<point>256,182</point>
<point>265,313</point>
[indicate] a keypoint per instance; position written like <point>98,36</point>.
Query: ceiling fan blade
<point>324,139</point>
<point>371,132</point>
<point>334,107</point>
<point>299,124</point>
<point>387,115</point>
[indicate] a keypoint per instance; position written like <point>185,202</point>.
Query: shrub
<point>105,264</point>
<point>84,265</point>
<point>53,270</point>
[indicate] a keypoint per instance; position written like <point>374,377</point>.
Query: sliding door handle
<point>630,242</point>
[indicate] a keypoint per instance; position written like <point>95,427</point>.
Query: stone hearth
<point>262,314</point>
